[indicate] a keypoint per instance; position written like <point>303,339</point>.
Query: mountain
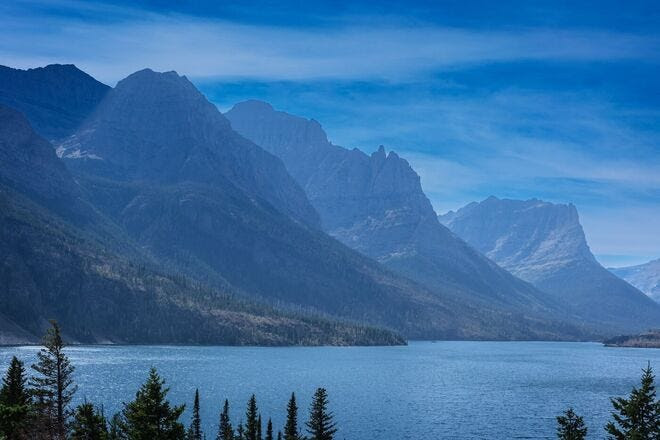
<point>646,277</point>
<point>375,205</point>
<point>544,244</point>
<point>56,98</point>
<point>51,268</point>
<point>159,128</point>
<point>162,162</point>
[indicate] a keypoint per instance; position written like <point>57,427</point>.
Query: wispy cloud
<point>127,40</point>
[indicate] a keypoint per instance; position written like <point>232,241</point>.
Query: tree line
<point>39,408</point>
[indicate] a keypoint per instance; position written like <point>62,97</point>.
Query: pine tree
<point>226,431</point>
<point>320,425</point>
<point>150,415</point>
<point>251,424</point>
<point>195,430</point>
<point>88,424</point>
<point>279,435</point>
<point>240,432</point>
<point>269,430</point>
<point>291,426</point>
<point>259,426</point>
<point>14,402</point>
<point>637,417</point>
<point>54,387</point>
<point>570,426</point>
<point>115,428</point>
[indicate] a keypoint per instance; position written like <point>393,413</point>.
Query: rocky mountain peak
<point>646,277</point>
<point>158,127</point>
<point>544,243</point>
<point>56,99</point>
<point>526,236</point>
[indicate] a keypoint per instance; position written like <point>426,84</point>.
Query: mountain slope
<point>50,269</point>
<point>56,98</point>
<point>160,160</point>
<point>645,277</point>
<point>544,244</point>
<point>375,204</point>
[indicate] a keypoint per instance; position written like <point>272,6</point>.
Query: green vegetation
<point>570,426</point>
<point>40,407</point>
<point>634,418</point>
<point>94,293</point>
<point>638,416</point>
<point>43,410</point>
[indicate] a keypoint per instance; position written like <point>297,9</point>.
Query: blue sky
<point>556,100</point>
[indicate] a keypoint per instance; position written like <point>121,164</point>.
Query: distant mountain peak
<point>527,237</point>
<point>157,127</point>
<point>375,204</point>
<point>56,98</point>
<point>544,243</point>
<point>646,277</point>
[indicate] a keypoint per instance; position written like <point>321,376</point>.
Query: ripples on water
<point>493,390</point>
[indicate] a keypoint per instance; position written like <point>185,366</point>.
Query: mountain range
<point>54,267</point>
<point>375,205</point>
<point>244,228</point>
<point>646,277</point>
<point>544,243</point>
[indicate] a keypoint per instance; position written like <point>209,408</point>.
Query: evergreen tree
<point>53,387</point>
<point>88,424</point>
<point>279,435</point>
<point>240,432</point>
<point>195,430</point>
<point>14,402</point>
<point>251,425</point>
<point>570,426</point>
<point>115,429</point>
<point>269,430</point>
<point>291,426</point>
<point>150,415</point>
<point>320,425</point>
<point>226,431</point>
<point>637,417</point>
<point>259,426</point>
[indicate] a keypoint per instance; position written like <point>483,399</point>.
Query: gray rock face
<point>56,263</point>
<point>158,127</point>
<point>161,161</point>
<point>544,244</point>
<point>56,99</point>
<point>28,162</point>
<point>196,215</point>
<point>646,277</point>
<point>375,204</point>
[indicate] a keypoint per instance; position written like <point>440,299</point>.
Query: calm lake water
<point>494,390</point>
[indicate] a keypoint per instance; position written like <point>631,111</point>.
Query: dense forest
<point>40,407</point>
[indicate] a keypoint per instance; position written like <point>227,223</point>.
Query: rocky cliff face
<point>56,99</point>
<point>544,244</point>
<point>375,204</point>
<point>166,186</point>
<point>57,262</point>
<point>166,166</point>
<point>157,127</point>
<point>646,277</point>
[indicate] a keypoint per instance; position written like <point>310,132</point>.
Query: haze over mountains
<point>53,267</point>
<point>646,277</point>
<point>159,211</point>
<point>544,244</point>
<point>375,205</point>
<point>57,97</point>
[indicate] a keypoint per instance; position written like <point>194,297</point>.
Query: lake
<point>426,390</point>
